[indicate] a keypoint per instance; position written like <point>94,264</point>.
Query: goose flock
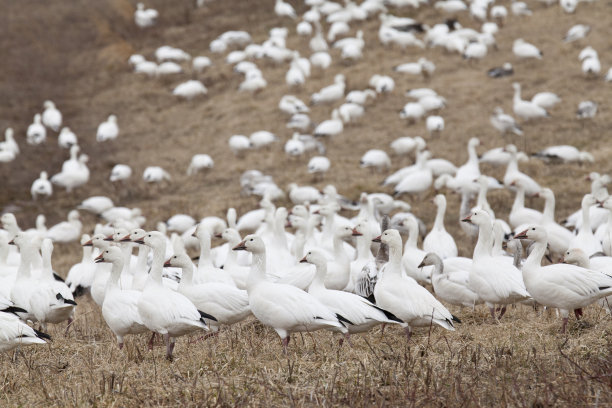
<point>309,259</point>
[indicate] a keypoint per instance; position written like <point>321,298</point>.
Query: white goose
<point>162,310</point>
<point>403,296</point>
<point>226,303</point>
<point>438,240</point>
<point>66,231</point>
<point>412,254</point>
<point>120,306</point>
<point>285,308</point>
<point>108,130</point>
<point>526,109</point>
<point>36,133</point>
<point>51,117</point>
<point>362,315</point>
<point>519,214</point>
<point>41,186</point>
<point>232,266</point>
<point>495,282</point>
<point>558,236</point>
<point>577,257</point>
<point>504,122</point>
<point>585,239</point>
<point>513,174</point>
<point>566,287</point>
<point>330,93</point>
<point>15,333</point>
<point>451,287</point>
<point>522,49</point>
<point>81,275</point>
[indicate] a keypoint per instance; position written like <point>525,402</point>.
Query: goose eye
<point>533,229</point>
<point>251,239</point>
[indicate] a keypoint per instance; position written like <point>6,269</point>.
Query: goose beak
<point>303,260</point>
<point>536,194</point>
<point>139,241</point>
<point>218,235</point>
<point>521,235</point>
<point>240,247</point>
<point>109,238</point>
<point>377,239</point>
<point>167,264</point>
<point>562,260</point>
<point>600,204</point>
<point>317,212</point>
<point>99,258</point>
<point>88,243</point>
<point>12,242</point>
<point>288,224</point>
<point>126,239</point>
<point>356,233</point>
<point>422,264</point>
<point>468,219</point>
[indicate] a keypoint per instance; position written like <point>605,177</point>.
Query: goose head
<point>111,254</point>
<point>251,243</point>
<point>439,200</point>
<point>478,217</point>
<point>9,222</point>
<point>230,235</point>
<point>473,142</point>
<point>345,232</point>
<point>117,236</point>
<point>360,229</point>
<point>588,200</point>
<point>546,193</point>
<point>178,261</point>
<point>73,216</point>
<point>430,259</point>
<point>134,235</point>
<point>85,239</point>
<point>49,105</point>
<point>314,257</point>
<point>391,237</point>
<point>153,239</point>
<point>534,233</point>
<point>575,256</point>
<point>516,86</point>
<point>98,241</point>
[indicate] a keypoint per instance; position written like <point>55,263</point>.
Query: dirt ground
<point>75,53</point>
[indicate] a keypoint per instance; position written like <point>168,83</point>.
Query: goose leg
<point>70,320</point>
<point>168,347</point>
<point>564,325</point>
<point>578,313</point>
<point>285,344</point>
<point>382,329</point>
<point>408,332</point>
<point>503,311</point>
<point>151,341</point>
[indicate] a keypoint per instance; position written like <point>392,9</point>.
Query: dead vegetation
<point>76,55</point>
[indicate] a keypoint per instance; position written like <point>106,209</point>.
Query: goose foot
<point>151,341</point>
<point>408,333</point>
<point>120,346</point>
<point>502,312</point>
<point>578,313</point>
<point>382,330</point>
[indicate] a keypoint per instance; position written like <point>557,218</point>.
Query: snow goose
<point>564,153</point>
<point>451,287</point>
<point>598,215</point>
<point>262,138</point>
<point>303,194</point>
<point>526,109</point>
<point>108,130</point>
<point>284,9</point>
<point>207,272</point>
<point>330,93</point>
<point>586,110</point>
<point>36,133</point>
<point>81,275</point>
<point>545,100</point>
<point>512,174</point>
<point>330,127</point>
<point>9,144</point>
<point>235,267</point>
<point>283,307</point>
<point>200,63</point>
<point>363,235</point>
<point>304,28</point>
<point>291,105</point>
<point>434,124</point>
<point>412,254</point>
<point>451,6</point>
<point>558,236</point>
<point>519,8</point>
<point>166,52</point>
<point>226,303</point>
<point>66,231</point>
<point>360,97</point>
<point>15,333</point>
<point>51,116</point>
<point>569,6</point>
<point>120,306</point>
<point>120,172</point>
<point>66,138</point>
<point>495,282</point>
<point>418,181</point>
<point>577,32</point>
<point>180,223</point>
<point>163,310</point>
<point>155,174</point>
<point>519,214</point>
<point>403,296</point>
<point>362,315</point>
<point>294,147</point>
<point>41,186</point>
<point>299,121</point>
<point>190,89</point>
<point>382,83</point>
<point>608,77</point>
<point>585,239</point>
<point>504,122</point>
<point>317,42</point>
<point>318,165</point>
<point>578,257</point>
<point>96,204</point>
<point>522,49</point>
<point>604,231</point>
<point>145,17</point>
<point>405,145</point>
<point>375,158</point>
<point>566,287</point>
<point>75,172</point>
<point>438,240</point>
<point>475,51</point>
<point>321,60</point>
<point>500,72</point>
<point>239,144</point>
<point>350,112</point>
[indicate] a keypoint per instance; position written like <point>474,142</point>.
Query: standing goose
<point>362,314</point>
<point>513,173</point>
<point>558,236</point>
<point>120,306</point>
<point>405,298</point>
<point>451,287</point>
<point>162,310</point>
<point>412,254</point>
<point>585,239</point>
<point>526,109</point>
<point>283,307</point>
<point>438,240</point>
<point>577,257</point>
<point>207,272</point>
<point>81,275</point>
<point>566,287</point>
<point>519,214</point>
<point>495,282</point>
<point>226,303</point>
<point>51,117</point>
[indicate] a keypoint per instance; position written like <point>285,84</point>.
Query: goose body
<point>451,287</point>
<point>438,240</point>
<point>108,130</point>
<point>522,49</point>
<point>15,333</point>
<point>526,109</point>
<point>190,89</point>
<point>41,186</point>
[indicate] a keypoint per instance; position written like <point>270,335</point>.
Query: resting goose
<point>108,130</point>
<point>66,231</point>
<point>120,306</point>
<point>162,310</point>
<point>566,287</point>
<point>527,110</point>
<point>522,49</point>
<point>226,303</point>
<point>361,313</point>
<point>15,333</point>
<point>283,307</point>
<point>451,287</point>
<point>403,296</point>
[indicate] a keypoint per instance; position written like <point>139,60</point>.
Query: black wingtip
<point>14,310</point>
<point>42,335</point>
<point>67,301</point>
<point>204,315</point>
<point>389,315</point>
<point>343,319</point>
<point>456,319</point>
<point>58,278</point>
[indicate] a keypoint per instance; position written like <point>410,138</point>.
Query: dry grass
<point>75,53</point>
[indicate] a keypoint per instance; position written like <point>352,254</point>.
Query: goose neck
<point>519,200</point>
<point>205,259</point>
<point>318,283</point>
<point>549,209</point>
<point>113,279</point>
<point>484,243</point>
<point>439,221</point>
<point>159,252</point>
<point>258,270</point>
<point>186,277</point>
<point>534,260</point>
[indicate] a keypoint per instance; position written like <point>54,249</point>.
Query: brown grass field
<point>76,54</point>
